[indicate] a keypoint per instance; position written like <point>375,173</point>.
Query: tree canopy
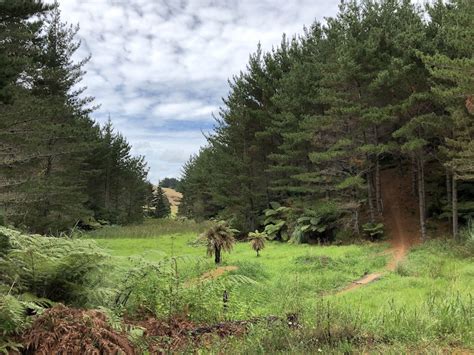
<point>311,124</point>
<point>57,166</point>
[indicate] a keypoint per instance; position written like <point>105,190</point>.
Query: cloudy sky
<point>160,67</point>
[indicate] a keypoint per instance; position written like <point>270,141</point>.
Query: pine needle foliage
<point>382,84</point>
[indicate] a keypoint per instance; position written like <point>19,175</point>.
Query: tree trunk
<point>421,198</point>
<point>356,221</point>
<point>378,187</point>
<point>370,197</point>
<point>217,255</point>
<point>448,193</point>
<point>258,252</point>
<point>455,208</point>
<point>47,173</point>
<point>414,178</point>
<point>107,188</point>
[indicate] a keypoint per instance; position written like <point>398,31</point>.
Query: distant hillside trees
<point>312,123</point>
<point>171,183</point>
<point>57,166</point>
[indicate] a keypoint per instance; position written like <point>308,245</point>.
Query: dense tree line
<point>57,166</point>
<point>171,183</point>
<point>311,124</point>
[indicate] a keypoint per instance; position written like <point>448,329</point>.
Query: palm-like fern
<point>257,241</point>
<point>219,238</point>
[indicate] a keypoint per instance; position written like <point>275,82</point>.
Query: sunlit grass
<point>151,228</point>
<point>429,295</point>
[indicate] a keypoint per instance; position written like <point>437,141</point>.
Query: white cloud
<point>185,110</point>
<point>161,67</point>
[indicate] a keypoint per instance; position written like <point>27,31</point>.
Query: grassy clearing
<point>425,305</point>
<point>151,228</point>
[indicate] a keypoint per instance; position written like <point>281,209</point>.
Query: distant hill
<point>171,183</point>
<point>174,197</point>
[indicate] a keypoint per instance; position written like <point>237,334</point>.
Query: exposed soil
<point>401,222</point>
<point>400,214</point>
<point>214,274</point>
<point>174,198</point>
<point>211,275</point>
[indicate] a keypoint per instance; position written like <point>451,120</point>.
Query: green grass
<point>151,228</point>
<point>425,305</point>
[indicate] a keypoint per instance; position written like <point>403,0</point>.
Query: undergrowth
<point>152,228</point>
<point>425,304</point>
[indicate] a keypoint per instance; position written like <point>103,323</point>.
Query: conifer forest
<point>330,209</point>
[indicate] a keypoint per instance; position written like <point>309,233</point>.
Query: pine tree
<point>20,30</point>
<point>198,189</point>
<point>47,123</point>
<point>18,33</point>
<point>161,204</point>
<point>453,69</point>
<point>117,182</point>
<point>314,122</point>
<point>296,99</point>
<point>56,165</point>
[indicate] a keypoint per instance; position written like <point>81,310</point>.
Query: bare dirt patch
<point>400,214</point>
<point>400,219</point>
<point>174,198</point>
<point>214,274</point>
<point>211,275</point>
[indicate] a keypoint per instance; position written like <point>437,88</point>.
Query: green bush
<point>276,222</point>
<point>2,218</point>
<point>161,289</point>
<point>64,270</point>
<point>14,318</point>
<point>374,231</point>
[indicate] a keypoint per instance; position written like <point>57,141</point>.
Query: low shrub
<point>160,289</point>
<point>15,317</point>
<point>373,231</point>
<point>60,269</point>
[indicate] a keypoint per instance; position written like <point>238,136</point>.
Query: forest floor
<point>400,214</point>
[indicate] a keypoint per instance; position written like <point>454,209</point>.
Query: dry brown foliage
<point>63,330</point>
<point>470,104</point>
<point>179,333</point>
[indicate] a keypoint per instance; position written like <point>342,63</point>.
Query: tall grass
<point>426,304</point>
<point>440,322</point>
<point>152,228</point>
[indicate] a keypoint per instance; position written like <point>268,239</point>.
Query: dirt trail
<point>213,274</point>
<point>400,219</point>
<point>400,215</point>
